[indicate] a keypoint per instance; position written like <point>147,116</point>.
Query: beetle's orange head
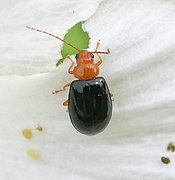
<point>84,57</point>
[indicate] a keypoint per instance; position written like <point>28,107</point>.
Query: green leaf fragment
<point>78,38</point>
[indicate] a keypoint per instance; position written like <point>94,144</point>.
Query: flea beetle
<point>89,102</point>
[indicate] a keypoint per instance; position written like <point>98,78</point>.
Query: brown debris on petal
<point>165,160</point>
<point>171,147</point>
<point>39,128</point>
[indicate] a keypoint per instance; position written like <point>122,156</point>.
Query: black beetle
<point>89,103</point>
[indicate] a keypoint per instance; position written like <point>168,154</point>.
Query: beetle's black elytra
<point>90,105</point>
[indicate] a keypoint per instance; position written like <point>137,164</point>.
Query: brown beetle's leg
<point>111,95</point>
<point>63,89</point>
<point>96,49</point>
<point>99,61</point>
<point>70,72</point>
<point>98,43</point>
<point>65,103</point>
<point>72,64</point>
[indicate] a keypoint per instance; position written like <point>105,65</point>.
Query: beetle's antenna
<point>35,29</point>
<point>99,52</point>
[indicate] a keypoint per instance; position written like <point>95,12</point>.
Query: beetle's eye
<point>92,56</point>
<point>76,56</point>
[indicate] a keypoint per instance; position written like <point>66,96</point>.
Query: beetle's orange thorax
<point>85,69</point>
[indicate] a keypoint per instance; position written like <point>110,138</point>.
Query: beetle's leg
<point>65,103</point>
<point>100,59</point>
<point>98,43</point>
<point>96,49</point>
<point>111,95</point>
<point>63,89</point>
<point>72,63</point>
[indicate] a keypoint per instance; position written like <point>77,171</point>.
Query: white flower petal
<point>140,74</point>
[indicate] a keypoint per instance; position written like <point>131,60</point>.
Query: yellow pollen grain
<point>34,154</point>
<point>27,133</point>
